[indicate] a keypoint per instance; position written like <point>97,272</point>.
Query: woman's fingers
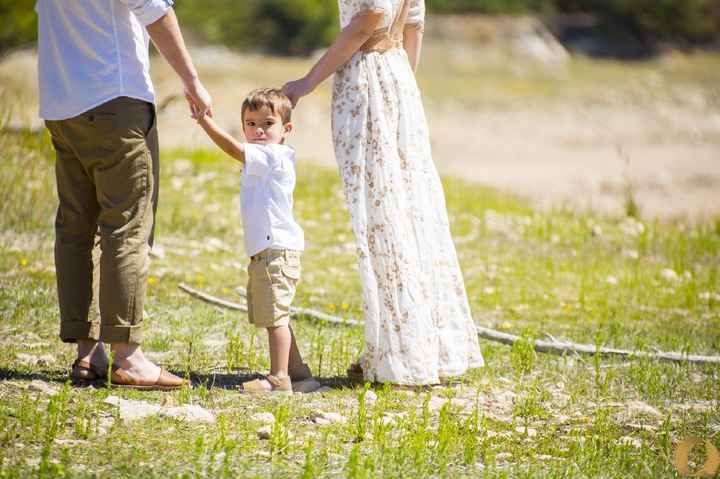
<point>291,90</point>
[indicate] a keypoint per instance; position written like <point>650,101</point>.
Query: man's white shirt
<point>92,51</point>
<point>266,197</point>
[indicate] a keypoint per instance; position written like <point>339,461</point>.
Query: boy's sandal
<point>84,374</point>
<point>165,382</point>
<point>279,386</point>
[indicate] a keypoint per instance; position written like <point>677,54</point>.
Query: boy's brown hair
<point>272,98</point>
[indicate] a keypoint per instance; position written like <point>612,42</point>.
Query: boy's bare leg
<point>296,367</point>
<point>280,339</point>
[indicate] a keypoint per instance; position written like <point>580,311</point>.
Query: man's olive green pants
<point>107,165</point>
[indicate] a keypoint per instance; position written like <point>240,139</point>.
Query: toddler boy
<point>273,239</point>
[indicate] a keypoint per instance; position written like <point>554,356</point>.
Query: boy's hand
<point>198,99</point>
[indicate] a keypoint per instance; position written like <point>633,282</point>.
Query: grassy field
<point>621,282</point>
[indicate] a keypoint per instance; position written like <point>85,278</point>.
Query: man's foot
<point>270,385</point>
<point>134,364</point>
<point>164,382</point>
<point>91,363</point>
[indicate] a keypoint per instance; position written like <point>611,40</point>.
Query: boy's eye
<point>251,123</point>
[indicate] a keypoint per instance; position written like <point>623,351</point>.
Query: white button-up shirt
<point>91,51</point>
<point>266,198</point>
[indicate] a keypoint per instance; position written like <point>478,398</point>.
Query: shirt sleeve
<point>416,16</point>
<point>257,159</point>
<point>148,11</point>
<point>361,7</point>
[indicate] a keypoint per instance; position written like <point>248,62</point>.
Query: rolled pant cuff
<point>121,334</point>
<point>71,331</point>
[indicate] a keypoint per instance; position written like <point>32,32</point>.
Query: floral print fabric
<point>418,326</point>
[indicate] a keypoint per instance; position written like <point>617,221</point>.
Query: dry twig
<point>553,347</point>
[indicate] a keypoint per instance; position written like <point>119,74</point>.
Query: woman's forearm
<point>412,41</point>
<point>343,48</point>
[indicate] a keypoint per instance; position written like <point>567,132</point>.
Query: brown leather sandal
<point>83,373</point>
<point>165,382</point>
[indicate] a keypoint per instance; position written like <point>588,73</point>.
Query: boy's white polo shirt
<point>266,197</point>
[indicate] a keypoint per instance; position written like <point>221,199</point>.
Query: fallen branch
<point>293,310</point>
<point>552,347</point>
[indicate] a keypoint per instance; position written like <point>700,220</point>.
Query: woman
<point>418,327</point>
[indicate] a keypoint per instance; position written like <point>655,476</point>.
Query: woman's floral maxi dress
<point>418,326</point>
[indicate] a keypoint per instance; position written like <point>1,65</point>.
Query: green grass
<point>575,276</point>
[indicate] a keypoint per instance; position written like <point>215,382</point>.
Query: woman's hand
<point>297,89</point>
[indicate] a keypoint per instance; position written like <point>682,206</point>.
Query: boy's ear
<point>288,127</point>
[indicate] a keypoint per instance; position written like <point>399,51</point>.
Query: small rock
<point>43,387</point>
<point>502,456</point>
<point>611,280</point>
<point>190,413</point>
<point>669,274</point>
<point>631,441</point>
<point>530,431</point>
<point>631,254</point>
<point>264,432</point>
<point>436,403</point>
<point>131,410</point>
<point>263,417</point>
<point>596,230</point>
<point>370,397</point>
<point>322,417</point>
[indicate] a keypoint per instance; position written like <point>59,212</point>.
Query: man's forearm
<point>168,39</point>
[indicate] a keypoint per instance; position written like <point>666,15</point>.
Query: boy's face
<point>265,127</point>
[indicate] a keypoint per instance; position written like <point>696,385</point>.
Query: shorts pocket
<point>290,267</point>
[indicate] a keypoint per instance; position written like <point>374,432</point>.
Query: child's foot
<point>270,385</point>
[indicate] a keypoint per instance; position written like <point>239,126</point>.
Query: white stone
<point>131,410</point>
<point>611,280</point>
<point>43,387</point>
<point>530,431</point>
<point>669,274</point>
<point>370,397</point>
<point>190,413</point>
<point>323,417</point>
<point>263,417</point>
<point>631,441</point>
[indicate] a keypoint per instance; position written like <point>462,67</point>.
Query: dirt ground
<point>653,129</point>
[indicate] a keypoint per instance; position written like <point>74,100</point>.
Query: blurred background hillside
<point>301,26</point>
<point>612,105</point>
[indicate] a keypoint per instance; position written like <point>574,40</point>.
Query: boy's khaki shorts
<point>273,275</point>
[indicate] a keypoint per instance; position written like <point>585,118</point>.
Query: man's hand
<point>297,89</point>
<point>198,99</point>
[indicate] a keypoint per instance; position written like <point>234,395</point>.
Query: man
<point>97,100</point>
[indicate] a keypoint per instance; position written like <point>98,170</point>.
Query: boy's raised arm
<point>227,143</point>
